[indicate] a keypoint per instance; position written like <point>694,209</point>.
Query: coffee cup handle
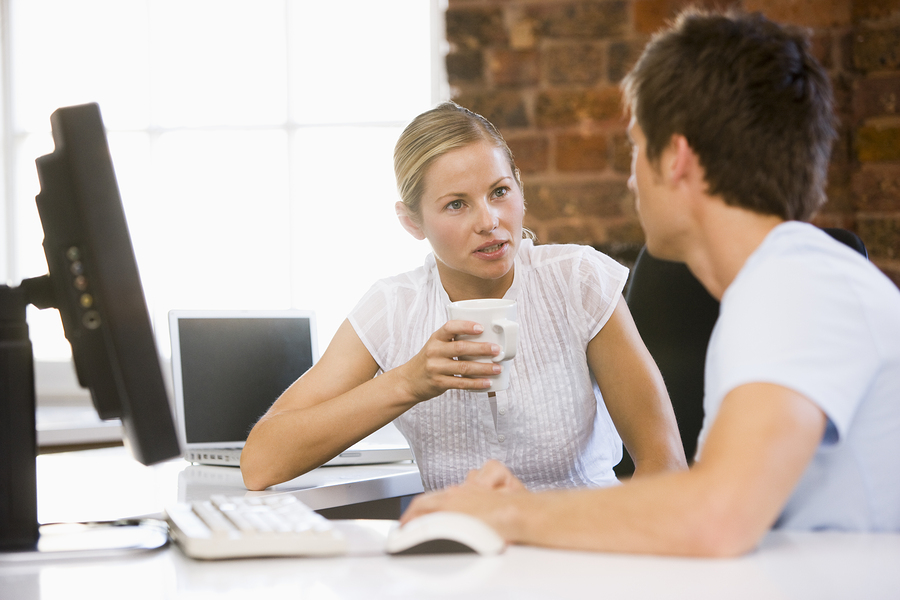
<point>509,330</point>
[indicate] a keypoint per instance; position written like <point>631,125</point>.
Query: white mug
<point>498,317</point>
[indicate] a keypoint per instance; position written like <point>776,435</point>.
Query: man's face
<point>646,182</point>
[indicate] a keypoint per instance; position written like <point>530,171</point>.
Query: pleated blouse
<point>551,426</point>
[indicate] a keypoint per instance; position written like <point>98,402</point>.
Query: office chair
<point>675,316</point>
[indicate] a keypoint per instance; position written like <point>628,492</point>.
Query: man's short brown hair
<point>752,102</point>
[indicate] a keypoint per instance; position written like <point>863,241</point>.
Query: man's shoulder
<point>801,256</point>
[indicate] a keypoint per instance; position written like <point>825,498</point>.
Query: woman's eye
<point>500,192</point>
<point>455,205</point>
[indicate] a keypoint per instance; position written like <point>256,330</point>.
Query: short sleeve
<point>369,319</point>
<point>797,328</point>
<point>600,281</point>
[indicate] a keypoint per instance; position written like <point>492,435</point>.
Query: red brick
<point>622,56</point>
<point>843,88</point>
<point>535,226</point>
<point>569,107</point>
<point>465,67</point>
<point>881,236</point>
<point>513,68</point>
<point>576,152</point>
<point>876,49</point>
<point>876,187</point>
<point>572,231</point>
<point>876,96</point>
<point>874,9</point>
<point>532,153</point>
<point>858,41</point>
<point>475,28</point>
<point>821,48</point>
<point>585,20</point>
<point>621,153</point>
<point>543,202</point>
<point>577,63</point>
<point>842,220</point>
<point>505,109</point>
<point>843,151</point>
<point>840,199</point>
<point>625,231</point>
<point>601,199</point>
<point>652,15</point>
<point>878,143</point>
<point>809,13</point>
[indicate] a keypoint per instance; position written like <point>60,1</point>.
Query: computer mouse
<point>442,532</point>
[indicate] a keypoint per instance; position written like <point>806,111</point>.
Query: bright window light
<point>252,142</point>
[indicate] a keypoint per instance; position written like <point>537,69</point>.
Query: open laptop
<point>228,367</point>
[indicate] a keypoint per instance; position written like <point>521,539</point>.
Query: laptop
<point>228,367</point>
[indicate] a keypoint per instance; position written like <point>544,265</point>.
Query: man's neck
<point>727,236</point>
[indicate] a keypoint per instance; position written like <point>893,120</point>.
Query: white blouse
<point>551,426</point>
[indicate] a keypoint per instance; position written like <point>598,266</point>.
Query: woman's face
<point>471,212</point>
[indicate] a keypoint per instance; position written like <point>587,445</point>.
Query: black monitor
<point>94,282</point>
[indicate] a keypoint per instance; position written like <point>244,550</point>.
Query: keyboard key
<point>236,526</point>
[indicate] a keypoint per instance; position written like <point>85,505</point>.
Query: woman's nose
<point>487,218</point>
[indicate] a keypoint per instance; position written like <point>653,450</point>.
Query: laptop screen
<point>230,369</point>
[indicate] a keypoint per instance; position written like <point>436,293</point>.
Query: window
<point>252,142</point>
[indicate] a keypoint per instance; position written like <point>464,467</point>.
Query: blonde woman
<point>581,382</point>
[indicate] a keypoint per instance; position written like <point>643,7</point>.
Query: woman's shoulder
<point>573,255</point>
<point>573,267</point>
<point>403,287</point>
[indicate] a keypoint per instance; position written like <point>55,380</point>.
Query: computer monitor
<point>94,282</point>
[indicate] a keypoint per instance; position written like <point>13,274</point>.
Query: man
<point>732,125</point>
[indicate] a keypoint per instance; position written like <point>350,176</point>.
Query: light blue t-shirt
<point>810,314</point>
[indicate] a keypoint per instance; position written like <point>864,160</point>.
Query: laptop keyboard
<point>240,526</point>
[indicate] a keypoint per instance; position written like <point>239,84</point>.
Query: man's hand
<point>489,493</point>
<point>494,475</point>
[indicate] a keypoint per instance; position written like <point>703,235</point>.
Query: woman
<point>582,376</point>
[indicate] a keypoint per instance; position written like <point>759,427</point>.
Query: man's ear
<point>407,221</point>
<point>682,159</point>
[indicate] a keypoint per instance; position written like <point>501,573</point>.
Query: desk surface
<point>787,565</point>
<point>106,484</point>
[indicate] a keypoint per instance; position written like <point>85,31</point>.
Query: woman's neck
<point>461,286</point>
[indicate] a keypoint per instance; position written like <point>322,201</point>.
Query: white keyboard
<point>234,527</point>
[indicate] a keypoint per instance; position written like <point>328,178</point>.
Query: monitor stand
<point>22,538</point>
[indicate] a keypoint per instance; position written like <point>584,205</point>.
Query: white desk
<point>787,566</point>
<point>106,484</point>
<point>808,566</point>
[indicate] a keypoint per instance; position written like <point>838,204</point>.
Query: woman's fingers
<point>447,362</point>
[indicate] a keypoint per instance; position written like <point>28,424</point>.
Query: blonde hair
<point>432,134</point>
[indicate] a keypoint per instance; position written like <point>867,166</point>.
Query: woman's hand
<point>437,367</point>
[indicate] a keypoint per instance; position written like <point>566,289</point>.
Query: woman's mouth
<point>492,250</point>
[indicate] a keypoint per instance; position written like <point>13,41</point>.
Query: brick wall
<point>546,72</point>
